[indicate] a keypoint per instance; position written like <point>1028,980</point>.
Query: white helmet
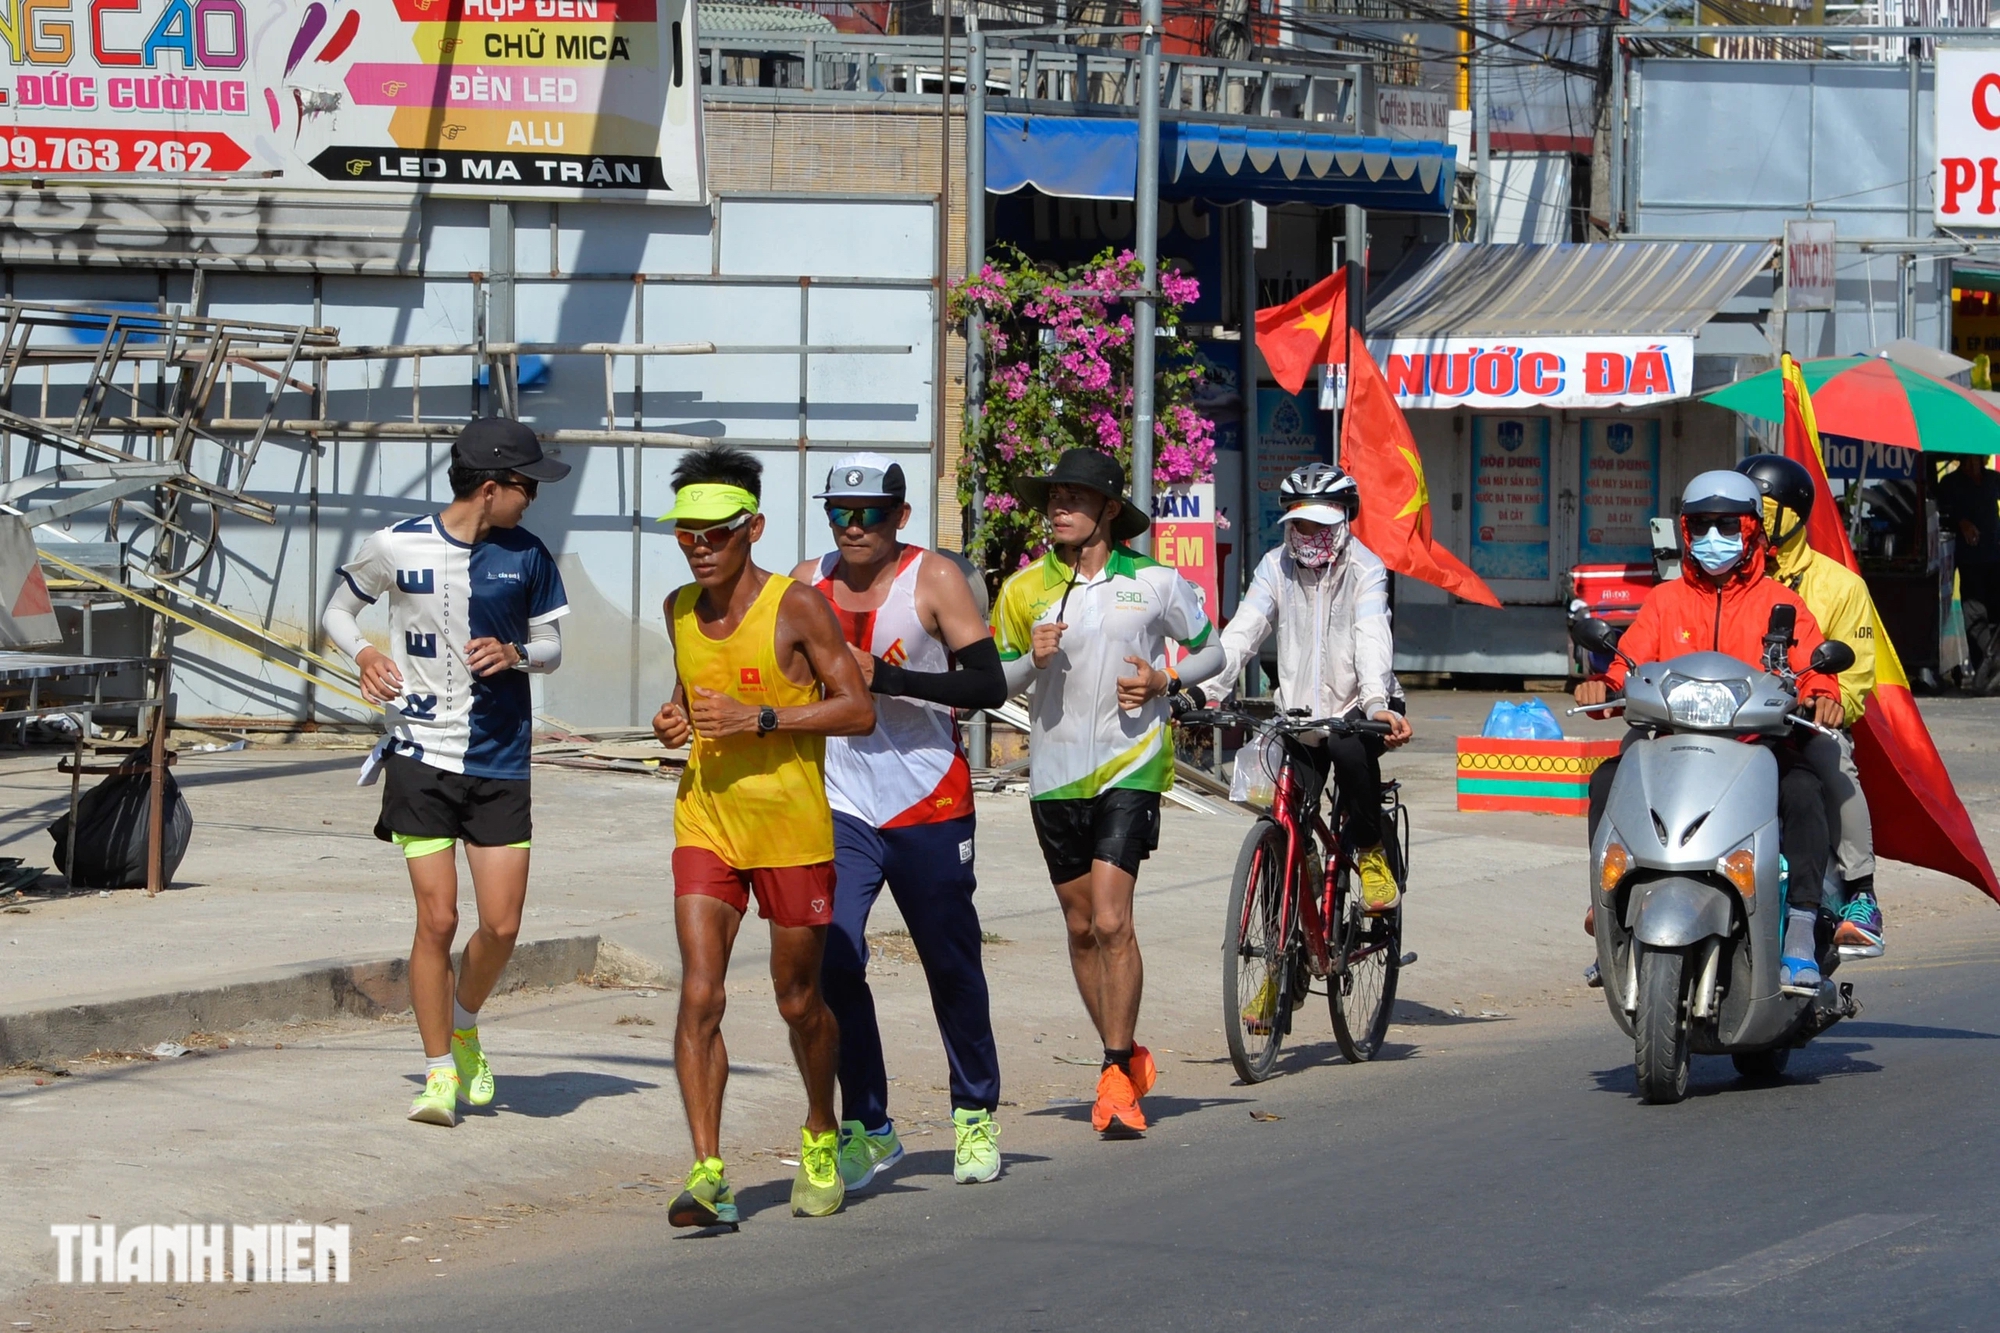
<point>1319,486</point>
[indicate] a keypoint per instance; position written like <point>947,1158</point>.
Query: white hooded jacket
<point>1336,651</point>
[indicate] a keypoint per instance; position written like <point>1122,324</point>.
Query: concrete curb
<point>299,993</point>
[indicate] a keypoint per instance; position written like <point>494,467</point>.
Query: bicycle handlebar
<point>1339,726</point>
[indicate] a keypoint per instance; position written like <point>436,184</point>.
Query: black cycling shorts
<point>420,801</point>
<point>1120,826</point>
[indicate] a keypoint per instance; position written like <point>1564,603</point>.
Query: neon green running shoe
<point>437,1104</point>
<point>866,1154</point>
<point>977,1160</point>
<point>818,1191</point>
<point>707,1201</point>
<point>475,1076</point>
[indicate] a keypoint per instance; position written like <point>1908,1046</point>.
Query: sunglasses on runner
<point>525,485</point>
<point>1729,525</point>
<point>711,537</point>
<point>859,516</point>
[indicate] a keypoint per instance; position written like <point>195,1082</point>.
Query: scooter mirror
<point>1593,635</point>
<point>1831,658</point>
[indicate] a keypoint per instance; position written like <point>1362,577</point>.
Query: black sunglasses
<point>864,516</point>
<point>527,486</point>
<point>1729,525</point>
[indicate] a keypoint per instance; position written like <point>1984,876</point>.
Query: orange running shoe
<point>1116,1114</point>
<point>1144,1073</point>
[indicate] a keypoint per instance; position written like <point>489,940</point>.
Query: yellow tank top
<point>755,801</point>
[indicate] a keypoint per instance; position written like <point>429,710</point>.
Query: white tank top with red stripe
<point>909,770</point>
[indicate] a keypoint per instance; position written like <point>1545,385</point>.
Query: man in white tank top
<point>902,810</point>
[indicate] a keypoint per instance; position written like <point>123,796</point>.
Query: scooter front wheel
<point>1659,1028</point>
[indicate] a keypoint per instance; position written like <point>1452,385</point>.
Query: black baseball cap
<point>494,444</point>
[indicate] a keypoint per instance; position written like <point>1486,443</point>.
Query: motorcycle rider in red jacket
<point>1722,603</point>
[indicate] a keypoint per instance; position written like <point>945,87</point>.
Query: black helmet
<point>1784,480</point>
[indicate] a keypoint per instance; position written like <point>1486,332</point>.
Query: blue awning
<point>1097,158</point>
<point>1062,155</point>
<point>1232,162</point>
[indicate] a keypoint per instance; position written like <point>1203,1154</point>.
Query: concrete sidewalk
<point>283,871</point>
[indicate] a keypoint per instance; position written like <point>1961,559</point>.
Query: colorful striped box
<point>1544,777</point>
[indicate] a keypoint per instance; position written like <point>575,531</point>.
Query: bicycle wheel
<point>1368,954</point>
<point>1256,956</point>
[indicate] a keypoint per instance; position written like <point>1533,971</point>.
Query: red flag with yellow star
<point>1304,332</point>
<point>1379,452</point>
<point>1917,814</point>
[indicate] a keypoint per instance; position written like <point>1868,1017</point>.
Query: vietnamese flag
<point>1378,451</point>
<point>1304,332</point>
<point>1916,812</point>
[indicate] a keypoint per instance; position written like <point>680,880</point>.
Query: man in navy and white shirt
<point>474,602</point>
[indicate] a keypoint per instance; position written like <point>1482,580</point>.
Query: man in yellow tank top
<point>764,678</point>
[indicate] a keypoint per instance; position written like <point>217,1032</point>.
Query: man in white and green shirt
<point>1085,629</point>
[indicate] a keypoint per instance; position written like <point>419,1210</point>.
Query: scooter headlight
<point>1704,703</point>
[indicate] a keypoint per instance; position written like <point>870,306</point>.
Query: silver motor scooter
<point>1685,872</point>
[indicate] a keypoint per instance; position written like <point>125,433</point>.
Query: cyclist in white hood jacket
<point>1329,598</point>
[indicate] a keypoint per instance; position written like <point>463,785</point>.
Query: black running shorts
<point>1120,826</point>
<point>420,801</point>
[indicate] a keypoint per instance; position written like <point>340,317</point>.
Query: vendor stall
<point>1548,389</point>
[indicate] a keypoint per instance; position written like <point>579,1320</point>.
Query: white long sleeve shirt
<point>1336,649</point>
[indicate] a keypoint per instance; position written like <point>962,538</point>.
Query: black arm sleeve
<point>978,683</point>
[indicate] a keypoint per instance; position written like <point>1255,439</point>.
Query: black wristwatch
<point>520,656</point>
<point>767,720</point>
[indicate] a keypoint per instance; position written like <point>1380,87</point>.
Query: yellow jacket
<point>1839,600</point>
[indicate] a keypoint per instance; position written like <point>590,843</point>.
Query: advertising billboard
<point>493,98</point>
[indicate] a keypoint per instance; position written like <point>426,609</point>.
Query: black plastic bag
<point>111,833</point>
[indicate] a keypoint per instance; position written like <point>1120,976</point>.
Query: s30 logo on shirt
<point>1131,598</point>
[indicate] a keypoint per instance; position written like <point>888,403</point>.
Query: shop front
<point>1549,391</point>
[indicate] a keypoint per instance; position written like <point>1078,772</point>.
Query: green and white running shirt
<point>1080,741</point>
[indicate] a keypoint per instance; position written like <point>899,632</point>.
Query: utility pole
<point>500,305</point>
<point>1146,217</point>
<point>943,248</point>
<point>979,736</point>
<point>1906,275</point>
<point>1482,130</point>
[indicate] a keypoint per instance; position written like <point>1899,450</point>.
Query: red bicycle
<point>1295,911</point>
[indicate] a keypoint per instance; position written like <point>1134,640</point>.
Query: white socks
<point>462,1019</point>
<point>438,1062</point>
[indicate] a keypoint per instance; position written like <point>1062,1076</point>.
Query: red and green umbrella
<point>1873,398</point>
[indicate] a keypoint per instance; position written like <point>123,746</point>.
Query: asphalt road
<point>1495,1175</point>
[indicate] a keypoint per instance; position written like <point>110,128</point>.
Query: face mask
<point>1315,549</point>
<point>1717,552</point>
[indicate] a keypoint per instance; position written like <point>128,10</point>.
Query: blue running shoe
<point>1859,934</point>
<point>1798,967</point>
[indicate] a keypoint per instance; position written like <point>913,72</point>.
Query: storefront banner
<point>1184,538</point>
<point>1412,113</point>
<point>1536,372</point>
<point>1510,498</point>
<point>495,98</point>
<point>1289,435</point>
<point>1849,459</point>
<point>1966,165</point>
<point>1809,264</point>
<point>1621,491</point>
